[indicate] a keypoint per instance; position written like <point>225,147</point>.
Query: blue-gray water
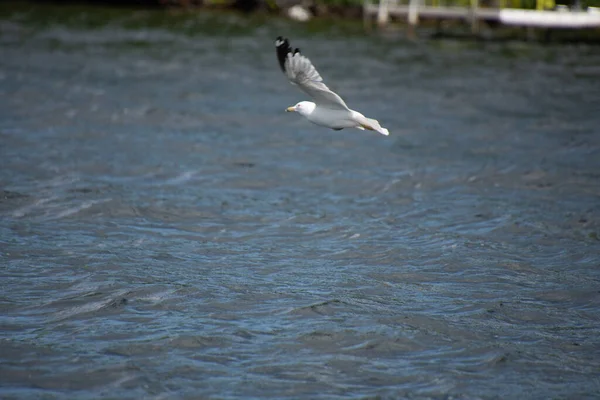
<point>168,231</point>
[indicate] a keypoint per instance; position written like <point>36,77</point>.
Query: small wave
<point>181,178</point>
<point>74,210</point>
<point>23,211</point>
<point>115,300</point>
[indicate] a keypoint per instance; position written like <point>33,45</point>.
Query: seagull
<point>328,109</point>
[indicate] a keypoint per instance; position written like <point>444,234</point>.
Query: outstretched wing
<point>301,72</point>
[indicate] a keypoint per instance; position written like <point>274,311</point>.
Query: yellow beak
<point>290,109</point>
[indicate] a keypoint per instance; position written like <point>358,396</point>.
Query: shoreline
<point>197,18</point>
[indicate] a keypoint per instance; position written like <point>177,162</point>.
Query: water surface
<point>167,231</point>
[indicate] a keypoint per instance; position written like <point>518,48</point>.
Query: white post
<point>366,16</point>
<point>474,16</point>
<point>413,16</point>
<point>382,13</point>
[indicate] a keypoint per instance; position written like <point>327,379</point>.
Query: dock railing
<point>544,14</point>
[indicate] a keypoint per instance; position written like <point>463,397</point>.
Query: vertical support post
<point>474,16</point>
<point>413,17</point>
<point>383,14</point>
<point>366,16</point>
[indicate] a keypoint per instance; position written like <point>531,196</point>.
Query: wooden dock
<point>539,18</point>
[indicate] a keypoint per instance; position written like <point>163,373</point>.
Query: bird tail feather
<point>372,125</point>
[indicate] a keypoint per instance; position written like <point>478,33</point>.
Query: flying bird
<point>328,109</point>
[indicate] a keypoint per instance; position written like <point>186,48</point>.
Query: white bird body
<point>329,109</point>
<point>343,119</point>
<point>334,119</point>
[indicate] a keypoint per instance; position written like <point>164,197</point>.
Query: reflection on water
<point>168,231</point>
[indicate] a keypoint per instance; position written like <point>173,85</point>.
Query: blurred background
<point>168,231</point>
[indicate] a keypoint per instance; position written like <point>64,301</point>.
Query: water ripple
<point>167,231</point>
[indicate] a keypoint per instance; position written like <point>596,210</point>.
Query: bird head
<point>303,108</point>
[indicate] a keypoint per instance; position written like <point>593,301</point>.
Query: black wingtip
<point>282,46</point>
